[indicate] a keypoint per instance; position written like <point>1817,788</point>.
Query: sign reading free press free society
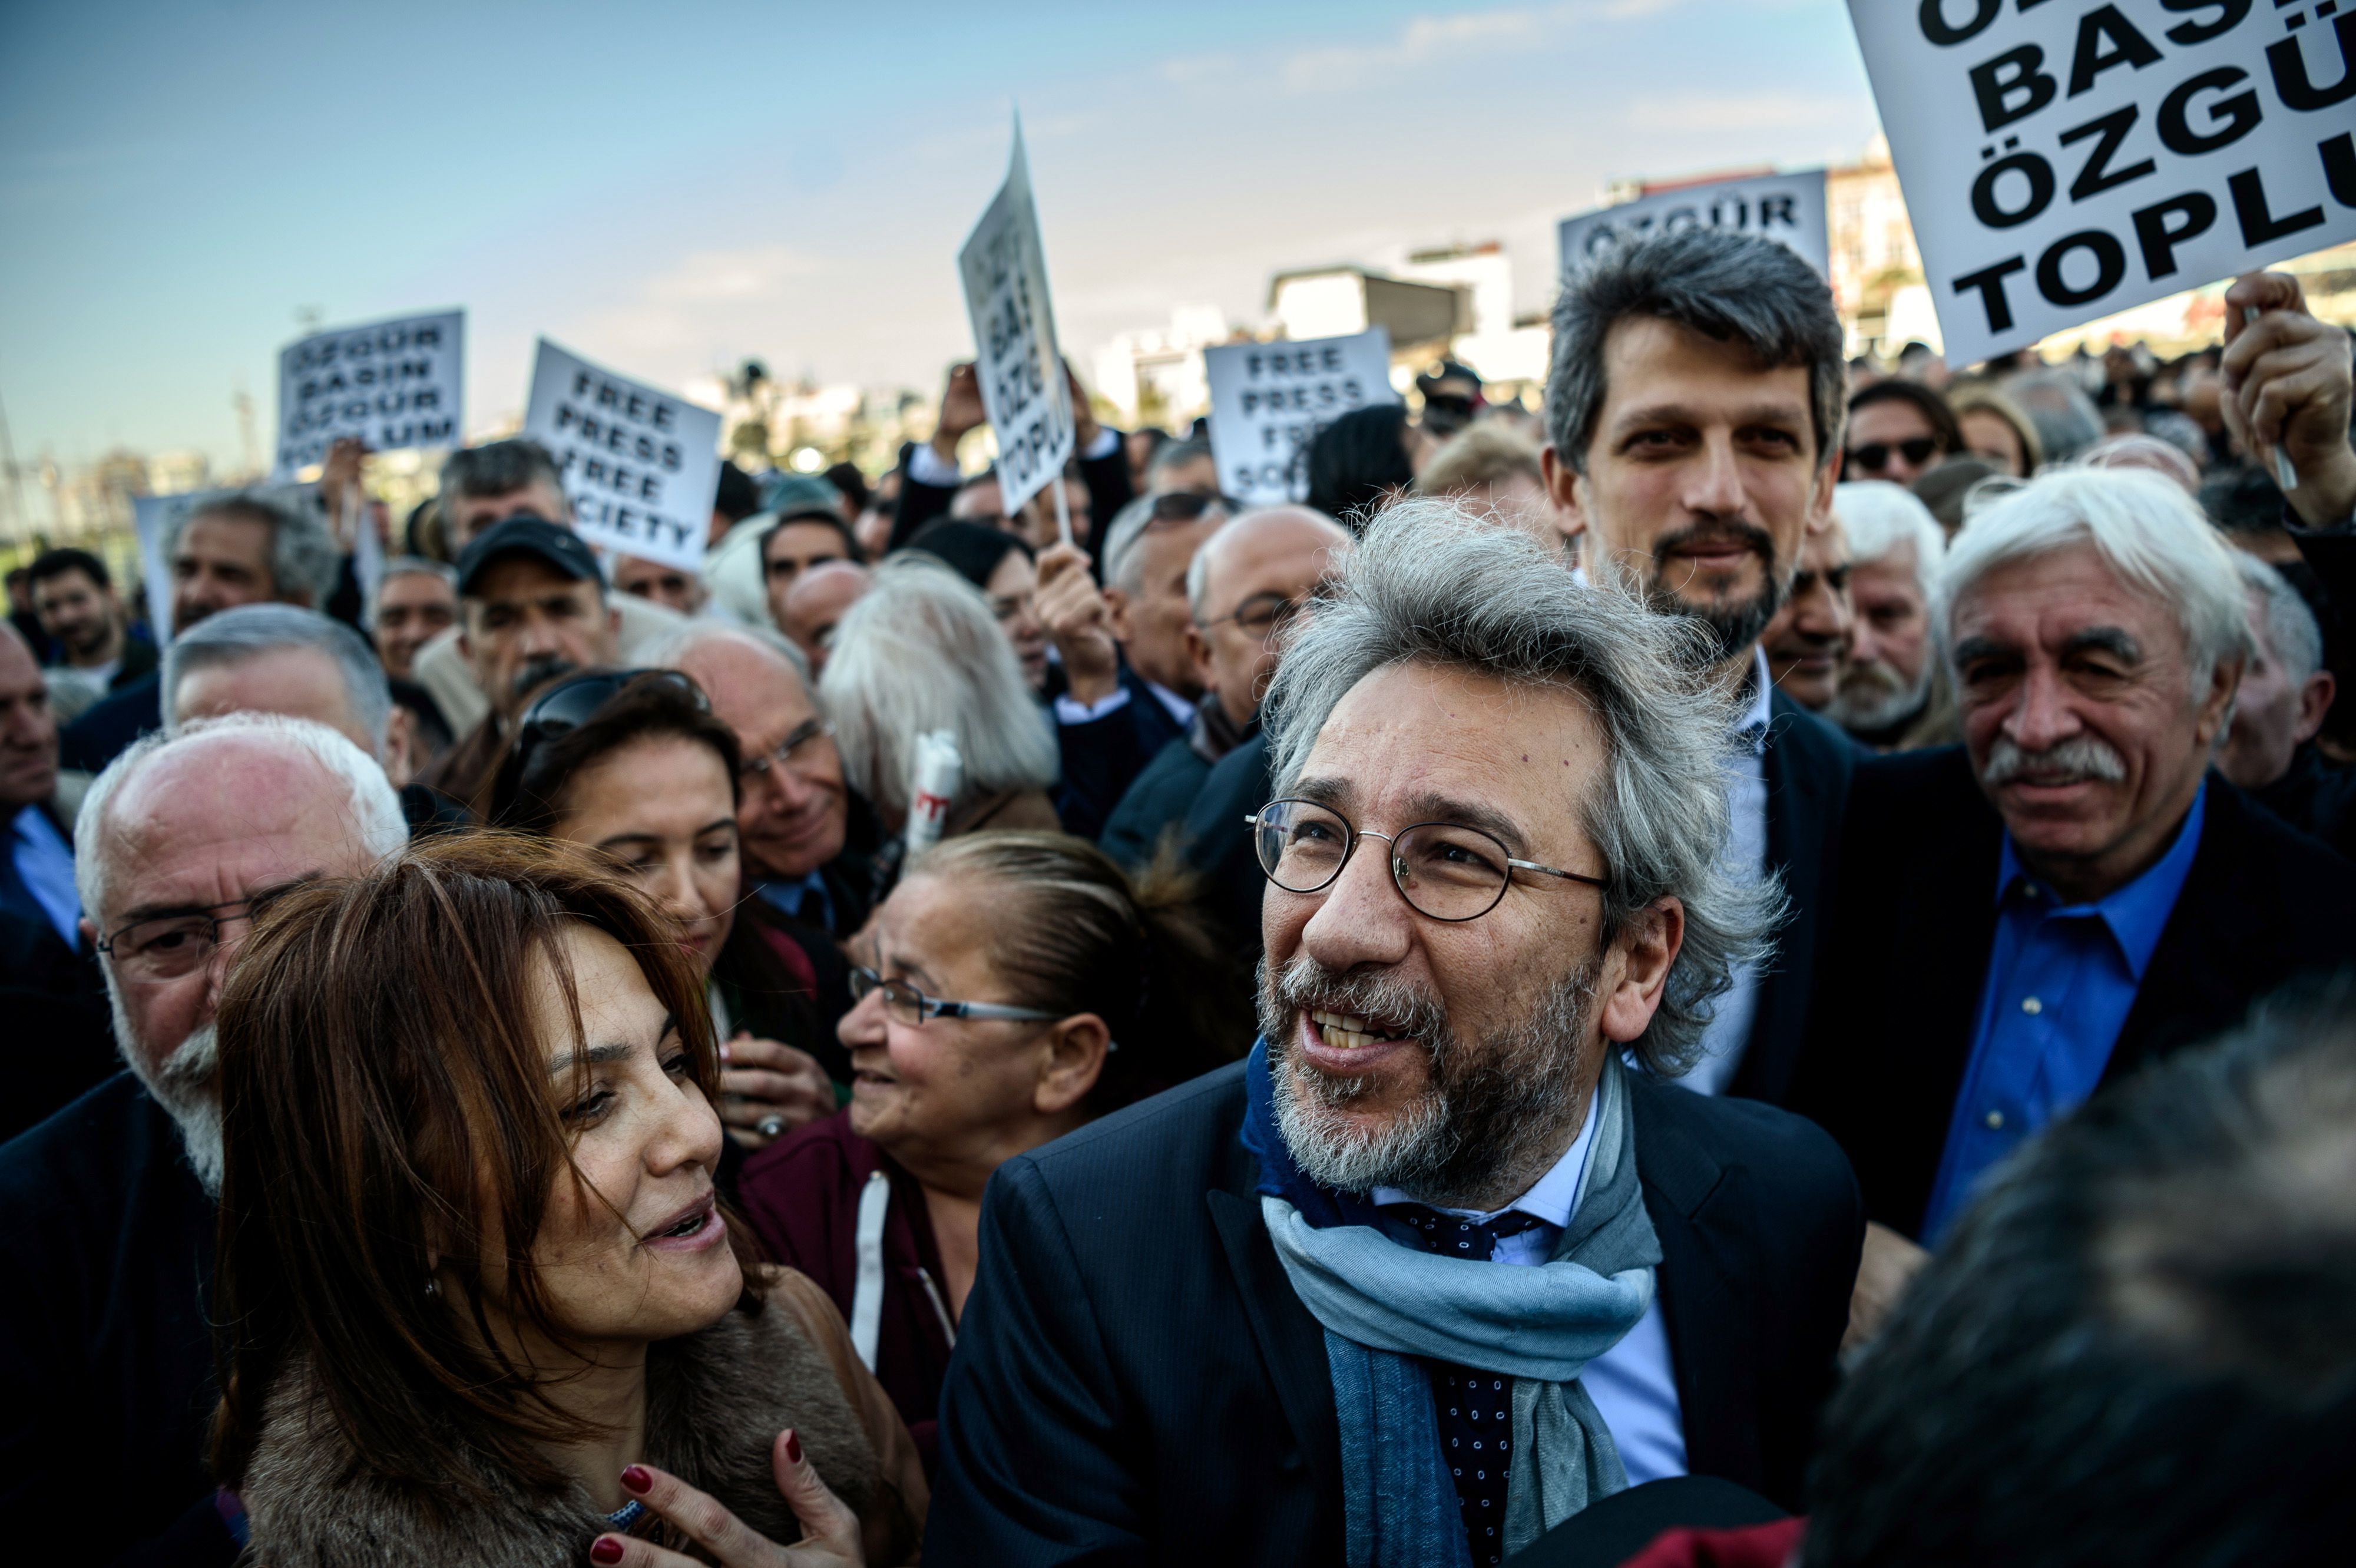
<point>641,466</point>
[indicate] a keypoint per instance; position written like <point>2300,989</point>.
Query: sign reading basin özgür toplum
<point>1269,400</point>
<point>393,384</point>
<point>1004,268</point>
<point>2064,161</point>
<point>641,466</point>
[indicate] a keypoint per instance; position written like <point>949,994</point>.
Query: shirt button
<point>2032,1006</point>
<point>1995,1120</point>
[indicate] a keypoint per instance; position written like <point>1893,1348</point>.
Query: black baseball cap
<point>525,534</point>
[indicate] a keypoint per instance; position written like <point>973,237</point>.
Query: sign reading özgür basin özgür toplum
<point>1003,266</point>
<point>2065,161</point>
<point>392,384</point>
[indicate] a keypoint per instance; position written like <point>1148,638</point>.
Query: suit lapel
<point>1797,817</point>
<point>1291,1344</point>
<point>1710,1342</point>
<point>2198,974</point>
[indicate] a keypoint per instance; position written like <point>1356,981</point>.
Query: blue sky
<point>673,188</point>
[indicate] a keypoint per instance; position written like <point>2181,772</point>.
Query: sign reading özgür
<point>1269,400</point>
<point>1004,268</point>
<point>392,384</point>
<point>1789,208</point>
<point>2064,161</point>
<point>641,466</point>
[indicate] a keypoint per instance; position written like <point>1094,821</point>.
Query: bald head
<point>1244,585</point>
<point>809,608</point>
<point>794,809</point>
<point>176,841</point>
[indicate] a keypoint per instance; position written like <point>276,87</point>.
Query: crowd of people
<point>885,1044</point>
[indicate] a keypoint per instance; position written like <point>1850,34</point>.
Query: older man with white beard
<point>105,1352</point>
<point>2073,891</point>
<point>1891,695</point>
<point>1433,1270</point>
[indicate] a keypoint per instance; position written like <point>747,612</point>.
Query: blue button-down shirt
<point>2061,981</point>
<point>806,900</point>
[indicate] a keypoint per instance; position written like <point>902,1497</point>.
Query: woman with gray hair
<point>921,653</point>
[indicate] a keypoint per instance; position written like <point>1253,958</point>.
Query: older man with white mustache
<point>2073,891</point>
<point>105,1342</point>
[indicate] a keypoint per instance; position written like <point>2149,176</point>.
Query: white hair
<point>372,802</point>
<point>920,650</point>
<point>232,637</point>
<point>2144,528</point>
<point>2292,639</point>
<point>1878,517</point>
<point>1435,583</point>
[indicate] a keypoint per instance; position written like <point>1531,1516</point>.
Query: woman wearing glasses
<point>632,764</point>
<point>1014,986</point>
<point>479,1301</point>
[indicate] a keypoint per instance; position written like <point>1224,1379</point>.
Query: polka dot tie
<point>1475,1407</point>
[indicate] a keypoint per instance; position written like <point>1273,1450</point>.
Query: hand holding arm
<point>2288,385</point>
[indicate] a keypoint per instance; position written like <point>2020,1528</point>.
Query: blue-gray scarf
<point>1384,1302</point>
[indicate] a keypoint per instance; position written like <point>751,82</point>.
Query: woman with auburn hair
<point>1016,985</point>
<point>477,1298</point>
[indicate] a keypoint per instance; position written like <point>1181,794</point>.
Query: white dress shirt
<point>1635,1384</point>
<point>1746,857</point>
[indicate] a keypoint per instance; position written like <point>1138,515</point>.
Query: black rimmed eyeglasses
<point>1444,870</point>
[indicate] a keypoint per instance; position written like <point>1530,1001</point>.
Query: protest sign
<point>154,519</point>
<point>1785,207</point>
<point>641,466</point>
<point>2066,162</point>
<point>1269,400</point>
<point>393,384</point>
<point>1015,357</point>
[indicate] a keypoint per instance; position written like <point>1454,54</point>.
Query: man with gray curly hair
<point>1495,875</point>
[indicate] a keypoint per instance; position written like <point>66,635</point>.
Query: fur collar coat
<point>715,1402</point>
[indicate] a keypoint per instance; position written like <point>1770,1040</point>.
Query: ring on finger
<point>772,1126</point>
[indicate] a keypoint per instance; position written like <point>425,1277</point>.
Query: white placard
<point>1015,357</point>
<point>2062,163</point>
<point>641,466</point>
<point>393,384</point>
<point>153,517</point>
<point>1785,207</point>
<point>1269,400</point>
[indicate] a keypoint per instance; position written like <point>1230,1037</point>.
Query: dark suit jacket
<point>1107,477</point>
<point>1135,1380</point>
<point>1156,802</point>
<point>1807,768</point>
<point>105,1359</point>
<point>1219,847</point>
<point>1899,992</point>
<point>1103,758</point>
<point>108,727</point>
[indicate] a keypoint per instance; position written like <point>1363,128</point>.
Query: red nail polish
<point>638,1478</point>
<point>605,1549</point>
<point>793,1447</point>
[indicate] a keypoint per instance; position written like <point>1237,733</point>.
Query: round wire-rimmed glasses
<point>1444,870</point>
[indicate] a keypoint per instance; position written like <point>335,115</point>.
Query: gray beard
<point>189,1087</point>
<point>1872,698</point>
<point>1490,1112</point>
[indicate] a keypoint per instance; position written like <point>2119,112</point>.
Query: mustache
<point>2080,758</point>
<point>1386,1000</point>
<point>539,670</point>
<point>1749,536</point>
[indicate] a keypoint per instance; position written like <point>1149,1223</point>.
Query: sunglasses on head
<point>1916,450</point>
<point>574,701</point>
